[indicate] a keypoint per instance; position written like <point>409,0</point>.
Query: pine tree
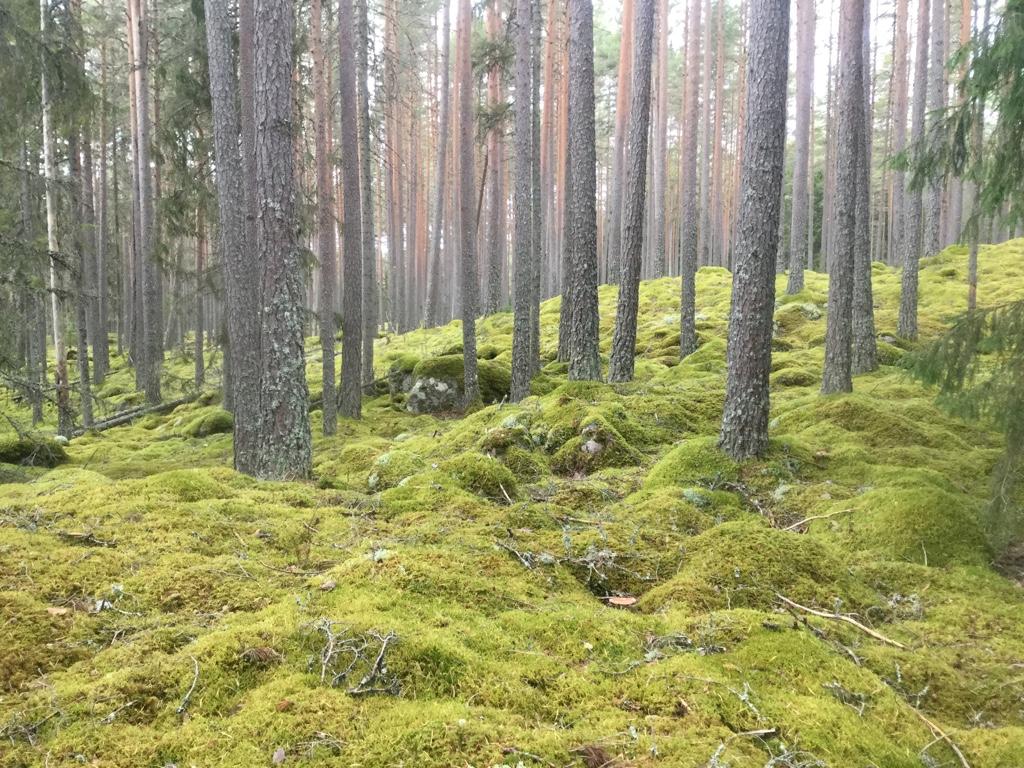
<point>620,366</point>
<point>581,215</point>
<point>745,419</point>
<point>522,201</point>
<point>688,185</point>
<point>799,244</point>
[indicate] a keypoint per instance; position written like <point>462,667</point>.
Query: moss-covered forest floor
<point>580,580</point>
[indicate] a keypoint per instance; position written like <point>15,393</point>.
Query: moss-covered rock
<point>694,461</point>
<point>482,475</point>
<point>214,421</point>
<point>437,383</point>
<point>391,468</point>
<point>31,451</point>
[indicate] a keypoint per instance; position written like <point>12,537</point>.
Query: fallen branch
<point>941,734</point>
<point>812,518</point>
<point>844,618</point>
<point>188,696</point>
<point>128,416</point>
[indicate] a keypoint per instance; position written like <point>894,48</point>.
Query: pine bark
<point>688,186</point>
<point>494,241</point>
<point>371,295</point>
<point>285,449</point>
<point>538,250</point>
<point>661,145</point>
<point>621,364</point>
<point>865,347</point>
<point>849,116</point>
<point>243,357</point>
<point>467,205</point>
<point>899,129</point>
<point>151,293</point>
<point>432,315</point>
<point>522,201</point>
<point>798,242</point>
<point>325,237</point>
<point>584,360</point>
<point>745,419</point>
<point>936,102</point>
<point>912,238</point>
<point>613,232</point>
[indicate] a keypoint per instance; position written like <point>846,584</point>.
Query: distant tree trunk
<point>36,341</point>
<point>65,419</point>
<point>661,144</point>
<point>688,185</point>
<point>864,346</point>
<point>907,324</point>
<point>849,142</point>
<point>496,186</point>
<point>467,204</point>
<point>199,348</point>
<point>285,445</point>
<point>432,315</point>
<point>956,193</point>
<point>350,401</point>
<point>899,130</point>
<point>326,251</point>
<point>584,360</point>
<point>562,201</point>
<point>537,194</point>
<point>152,309</point>
<point>243,357</point>
<point>620,366</point>
<point>798,243</point>
<point>745,418</point>
<point>82,196</point>
<point>704,165</point>
<point>716,234</point>
<point>971,193</point>
<point>101,341</point>
<point>613,234</point>
<point>522,201</point>
<point>936,102</point>
<point>371,296</point>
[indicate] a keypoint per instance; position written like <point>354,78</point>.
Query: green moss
<point>697,460</point>
<point>481,475</point>
<point>391,468</point>
<point>745,563</point>
<point>494,378</point>
<point>215,421</point>
<point>794,377</point>
<point>31,451</point>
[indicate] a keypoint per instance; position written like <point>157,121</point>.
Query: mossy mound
<point>494,378</point>
<point>30,451</point>
<point>214,421</point>
<point>391,468</point>
<point>696,461</point>
<point>482,475</point>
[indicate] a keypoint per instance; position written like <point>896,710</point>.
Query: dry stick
<point>941,735</point>
<point>188,696</point>
<point>842,617</point>
<point>807,520</point>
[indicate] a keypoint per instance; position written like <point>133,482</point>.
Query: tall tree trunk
<point>151,293</point>
<point>745,418</point>
<point>200,317</point>
<point>537,195</point>
<point>704,166</point>
<point>36,340</point>
<point>371,296</point>
<point>522,201</point>
<point>620,366</point>
<point>584,360</point>
<point>82,197</point>
<point>613,235</point>
<point>864,346</point>
<point>798,244</point>
<point>661,144</point>
<point>467,204</point>
<point>325,237</point>
<point>64,416</point>
<point>936,102</point>
<point>243,359</point>
<point>246,96</point>
<point>432,316</point>
<point>350,401</point>
<point>688,185</point>
<point>101,340</point>
<point>912,238</point>
<point>285,449</point>
<point>849,142</point>
<point>899,130</point>
<point>496,187</point>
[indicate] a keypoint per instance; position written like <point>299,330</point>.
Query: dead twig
<point>844,618</point>
<point>806,520</point>
<point>188,695</point>
<point>941,734</point>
